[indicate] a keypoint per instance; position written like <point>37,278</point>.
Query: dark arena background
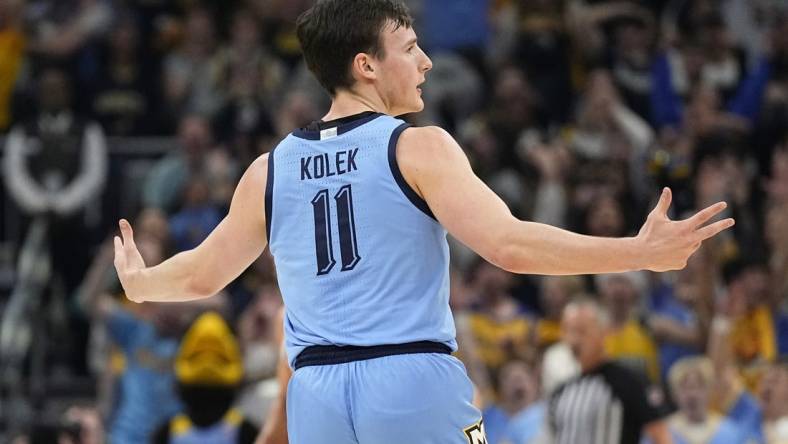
<point>576,112</point>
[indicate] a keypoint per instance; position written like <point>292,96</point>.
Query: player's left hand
<point>667,245</point>
<point>128,262</point>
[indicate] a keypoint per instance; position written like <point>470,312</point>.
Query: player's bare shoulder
<point>256,174</point>
<point>424,151</point>
<point>259,168</point>
<point>247,198</point>
<point>426,140</point>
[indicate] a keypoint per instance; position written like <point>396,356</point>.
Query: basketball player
<point>356,208</point>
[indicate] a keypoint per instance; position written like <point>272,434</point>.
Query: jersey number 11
<point>324,248</point>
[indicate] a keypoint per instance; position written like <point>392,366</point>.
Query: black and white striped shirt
<point>607,405</point>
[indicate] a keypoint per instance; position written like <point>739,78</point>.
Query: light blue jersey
<point>359,256</point>
<point>362,262</point>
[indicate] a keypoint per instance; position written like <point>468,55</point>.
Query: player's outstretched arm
<point>203,271</point>
<point>438,170</point>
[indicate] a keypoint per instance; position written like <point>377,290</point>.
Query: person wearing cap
<point>208,371</point>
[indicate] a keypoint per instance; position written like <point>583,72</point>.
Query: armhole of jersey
<point>269,195</point>
<point>414,198</point>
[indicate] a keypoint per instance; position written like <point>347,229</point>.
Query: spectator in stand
<point>516,409</point>
<point>773,396</point>
<point>715,80</point>
<point>55,166</point>
<point>69,31</point>
<point>629,58</point>
<point>253,79</point>
<point>258,332</point>
<point>752,337</point>
<point>674,321</point>
<point>691,380</point>
<point>195,157</point>
<point>628,341</point>
<point>607,128</point>
<point>776,233</point>
<point>498,324</point>
<point>542,48</point>
<point>55,169</point>
<point>191,72</point>
<point>197,217</point>
<point>125,91</point>
<point>729,395</point>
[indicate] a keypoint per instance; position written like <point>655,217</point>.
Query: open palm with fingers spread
<point>671,243</point>
<point>128,262</point>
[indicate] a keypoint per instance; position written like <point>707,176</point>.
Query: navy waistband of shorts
<point>333,354</point>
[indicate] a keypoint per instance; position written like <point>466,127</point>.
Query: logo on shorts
<point>475,433</point>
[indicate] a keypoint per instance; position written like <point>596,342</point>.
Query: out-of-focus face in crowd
<point>555,294</point>
<point>773,391</point>
<point>200,30</point>
<point>618,294</point>
<point>513,96</point>
<point>194,135</point>
<point>584,327</point>
<point>691,392</point>
<point>245,31</point>
<point>517,384</point>
<point>605,217</point>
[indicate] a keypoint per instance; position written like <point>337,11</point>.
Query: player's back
<point>360,259</point>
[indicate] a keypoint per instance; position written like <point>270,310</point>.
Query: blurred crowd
<point>576,112</point>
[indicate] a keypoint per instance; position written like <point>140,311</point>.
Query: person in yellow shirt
<point>498,325</point>
<point>628,341</point>
<point>752,334</point>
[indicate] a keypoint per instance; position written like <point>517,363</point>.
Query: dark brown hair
<point>332,32</point>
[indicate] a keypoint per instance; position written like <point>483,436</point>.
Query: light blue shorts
<point>401,399</point>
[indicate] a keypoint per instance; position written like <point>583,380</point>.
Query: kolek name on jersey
<point>318,167</point>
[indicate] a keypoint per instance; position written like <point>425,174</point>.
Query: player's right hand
<point>128,262</point>
<point>666,244</point>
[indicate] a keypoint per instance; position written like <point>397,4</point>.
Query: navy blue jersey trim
<point>414,198</point>
<point>342,126</point>
<point>269,194</point>
<point>333,354</point>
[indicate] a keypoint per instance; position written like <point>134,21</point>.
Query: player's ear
<point>364,67</point>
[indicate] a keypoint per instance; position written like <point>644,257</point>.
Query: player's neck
<point>347,103</point>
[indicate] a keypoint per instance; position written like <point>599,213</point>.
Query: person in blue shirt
<point>356,208</point>
<point>147,384</point>
<point>518,390</point>
<point>673,321</point>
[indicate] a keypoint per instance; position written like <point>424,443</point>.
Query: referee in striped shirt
<point>606,403</point>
